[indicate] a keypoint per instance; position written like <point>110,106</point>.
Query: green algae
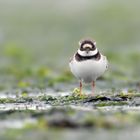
<point>75,99</point>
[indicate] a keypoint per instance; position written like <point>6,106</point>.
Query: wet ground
<point>52,113</point>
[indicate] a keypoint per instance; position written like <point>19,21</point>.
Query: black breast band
<point>78,57</point>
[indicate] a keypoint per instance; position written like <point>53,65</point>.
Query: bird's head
<point>87,47</point>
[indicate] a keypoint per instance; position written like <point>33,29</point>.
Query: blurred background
<point>37,37</point>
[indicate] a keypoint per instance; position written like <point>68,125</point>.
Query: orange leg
<point>93,86</point>
<point>80,88</point>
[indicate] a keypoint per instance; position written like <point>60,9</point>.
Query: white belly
<point>88,70</point>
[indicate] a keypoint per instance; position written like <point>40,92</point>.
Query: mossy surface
<point>74,99</point>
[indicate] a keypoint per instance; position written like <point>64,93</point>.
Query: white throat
<point>90,53</point>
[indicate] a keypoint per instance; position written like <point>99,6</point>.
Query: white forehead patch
<point>87,45</point>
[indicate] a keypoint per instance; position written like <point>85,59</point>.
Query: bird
<point>88,64</point>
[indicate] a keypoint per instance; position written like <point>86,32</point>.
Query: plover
<point>88,63</point>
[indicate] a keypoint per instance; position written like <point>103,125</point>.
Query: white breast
<point>88,70</point>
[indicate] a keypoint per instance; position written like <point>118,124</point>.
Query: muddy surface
<point>68,115</point>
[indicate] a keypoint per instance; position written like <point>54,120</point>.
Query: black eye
<point>82,48</point>
<point>93,47</point>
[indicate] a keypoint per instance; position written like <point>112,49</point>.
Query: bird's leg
<point>80,88</point>
<point>93,86</point>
